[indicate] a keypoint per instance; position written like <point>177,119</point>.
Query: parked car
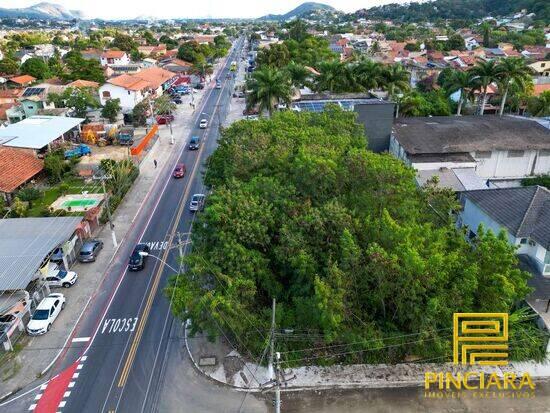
<point>61,278</point>
<point>89,250</point>
<point>251,111</point>
<point>203,124</point>
<point>218,84</point>
<point>164,119</point>
<point>177,100</point>
<point>199,86</point>
<point>179,171</point>
<point>45,314</point>
<point>197,202</point>
<point>57,255</point>
<point>194,143</point>
<point>137,261</point>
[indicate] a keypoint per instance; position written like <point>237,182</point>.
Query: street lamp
<point>146,254</point>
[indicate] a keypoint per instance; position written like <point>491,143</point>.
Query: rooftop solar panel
<point>33,91</point>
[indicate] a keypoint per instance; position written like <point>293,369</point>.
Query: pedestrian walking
<point>155,162</point>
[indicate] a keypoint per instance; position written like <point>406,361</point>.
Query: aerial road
<point>117,354</point>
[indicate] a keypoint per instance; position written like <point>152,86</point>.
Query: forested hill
<point>458,9</point>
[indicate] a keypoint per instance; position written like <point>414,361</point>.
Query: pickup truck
<point>77,152</point>
<point>126,137</point>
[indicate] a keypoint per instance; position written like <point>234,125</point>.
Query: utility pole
<point>270,368</point>
<point>180,248</point>
<point>111,225</point>
<point>277,385</point>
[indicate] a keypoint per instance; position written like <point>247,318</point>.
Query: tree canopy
<point>354,252</point>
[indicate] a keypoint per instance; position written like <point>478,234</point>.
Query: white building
<point>471,43</point>
<point>132,89</point>
<point>523,212</point>
<point>114,57</point>
<point>500,150</point>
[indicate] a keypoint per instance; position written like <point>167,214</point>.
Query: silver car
<point>197,202</point>
<point>89,251</point>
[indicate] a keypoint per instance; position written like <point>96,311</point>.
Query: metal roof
<point>319,105</point>
<point>37,131</point>
<point>25,242</point>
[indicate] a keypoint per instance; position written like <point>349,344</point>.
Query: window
<point>523,241</point>
<point>128,92</point>
<point>543,64</point>
<point>532,243</point>
<point>515,154</point>
<point>106,94</point>
<point>482,154</point>
<point>544,152</point>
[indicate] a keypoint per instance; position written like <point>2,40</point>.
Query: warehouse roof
<point>37,131</point>
<point>26,242</point>
<point>451,134</point>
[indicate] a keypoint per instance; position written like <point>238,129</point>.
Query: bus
<point>233,66</point>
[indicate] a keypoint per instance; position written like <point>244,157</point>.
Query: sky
<point>118,9</point>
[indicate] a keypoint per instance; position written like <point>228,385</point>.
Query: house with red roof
<point>21,81</point>
<point>17,167</point>
<point>114,57</point>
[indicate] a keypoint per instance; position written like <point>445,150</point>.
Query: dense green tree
<point>85,69</point>
<point>267,87</point>
<point>124,42</point>
<point>298,74</point>
<point>36,67</point>
<point>353,251</point>
<point>8,66</point>
<point>539,105</point>
<point>368,74</point>
<point>111,109</point>
<point>277,56</point>
<point>78,99</point>
<point>395,79</point>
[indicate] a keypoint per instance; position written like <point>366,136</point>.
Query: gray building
<point>375,114</point>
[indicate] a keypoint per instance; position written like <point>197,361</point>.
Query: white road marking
<point>83,358</point>
<point>75,376</point>
<point>71,385</point>
<point>81,339</point>
<point>66,394</point>
<point>79,367</point>
<point>38,396</point>
<point>43,387</point>
<point>32,407</point>
<point>119,325</point>
<point>62,404</point>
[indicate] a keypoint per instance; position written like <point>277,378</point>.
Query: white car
<point>61,278</point>
<point>203,124</point>
<point>197,202</point>
<point>45,314</point>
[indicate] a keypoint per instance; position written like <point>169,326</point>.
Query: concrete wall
<point>378,121</point>
<point>501,164</point>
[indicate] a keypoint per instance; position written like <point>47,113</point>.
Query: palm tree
<point>202,69</point>
<point>512,70</point>
<point>459,81</point>
<point>298,74</point>
<point>395,79</point>
<point>486,30</point>
<point>335,77</point>
<point>368,74</point>
<point>485,73</point>
<point>267,87</point>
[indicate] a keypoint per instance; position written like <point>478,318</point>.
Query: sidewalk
<point>34,359</point>
<point>232,369</point>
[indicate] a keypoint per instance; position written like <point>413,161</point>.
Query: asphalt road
<point>124,333</point>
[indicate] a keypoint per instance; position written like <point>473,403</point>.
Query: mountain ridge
<point>300,11</point>
<point>42,10</point>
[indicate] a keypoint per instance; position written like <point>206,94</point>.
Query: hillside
<point>304,9</point>
<point>457,9</point>
<point>42,10</point>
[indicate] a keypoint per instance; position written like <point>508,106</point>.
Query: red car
<point>179,172</point>
<point>164,119</point>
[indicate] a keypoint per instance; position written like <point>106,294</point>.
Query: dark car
<point>177,100</point>
<point>179,171</point>
<point>199,86</point>
<point>194,143</point>
<point>57,256</point>
<point>89,250</point>
<point>137,261</point>
<point>164,119</point>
